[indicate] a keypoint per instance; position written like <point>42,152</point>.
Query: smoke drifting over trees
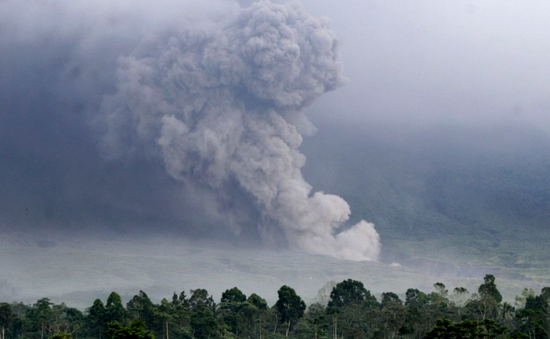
<point>196,127</point>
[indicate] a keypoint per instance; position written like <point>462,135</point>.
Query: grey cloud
<point>112,116</point>
<point>213,107</point>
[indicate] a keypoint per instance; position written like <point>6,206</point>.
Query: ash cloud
<point>214,106</point>
<point>191,123</point>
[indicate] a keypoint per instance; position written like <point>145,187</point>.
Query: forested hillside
<point>465,195</point>
<point>343,310</point>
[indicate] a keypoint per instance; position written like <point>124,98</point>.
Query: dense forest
<point>343,310</point>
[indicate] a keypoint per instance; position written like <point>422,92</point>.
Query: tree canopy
<point>351,312</point>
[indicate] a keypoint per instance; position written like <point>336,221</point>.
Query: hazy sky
<point>410,63</point>
<point>416,62</point>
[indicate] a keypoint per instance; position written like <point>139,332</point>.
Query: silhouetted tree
<point>233,295</point>
<point>114,310</point>
<point>6,318</point>
<point>97,318</point>
<point>489,288</point>
<point>289,306</point>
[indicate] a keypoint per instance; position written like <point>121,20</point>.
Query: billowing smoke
<point>221,107</point>
<point>228,105</point>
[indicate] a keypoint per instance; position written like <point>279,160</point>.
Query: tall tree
<point>200,299</point>
<point>21,321</point>
<point>97,318</point>
<point>261,306</point>
<point>257,301</point>
<point>236,312</point>
<point>349,292</point>
<point>233,295</point>
<point>114,310</point>
<point>203,322</point>
<point>535,317</point>
<point>441,289</point>
<point>417,312</point>
<point>392,314</point>
<point>289,306</point>
<point>489,288</point>
<point>6,318</point>
<point>390,297</point>
<point>485,304</point>
<point>522,299</point>
<point>66,319</point>
<point>165,313</point>
<point>182,314</point>
<point>316,317</point>
<point>141,307</point>
<point>44,314</point>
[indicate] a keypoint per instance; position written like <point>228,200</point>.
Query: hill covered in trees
<point>347,310</point>
<point>458,194</point>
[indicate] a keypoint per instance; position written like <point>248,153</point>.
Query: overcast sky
<point>408,62</point>
<point>418,62</point>
<point>413,63</point>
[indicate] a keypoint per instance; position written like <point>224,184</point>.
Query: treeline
<point>348,310</point>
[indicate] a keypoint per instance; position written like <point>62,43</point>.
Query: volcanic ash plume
<point>228,106</point>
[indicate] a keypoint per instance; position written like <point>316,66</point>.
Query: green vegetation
<point>351,311</point>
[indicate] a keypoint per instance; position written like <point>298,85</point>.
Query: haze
<point>124,125</point>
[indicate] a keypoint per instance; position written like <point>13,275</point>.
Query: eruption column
<point>228,105</point>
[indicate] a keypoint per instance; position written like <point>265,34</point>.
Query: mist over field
<point>164,146</point>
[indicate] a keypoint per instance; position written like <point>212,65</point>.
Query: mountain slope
<point>460,194</point>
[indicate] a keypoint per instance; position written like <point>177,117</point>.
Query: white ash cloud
<point>227,104</point>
